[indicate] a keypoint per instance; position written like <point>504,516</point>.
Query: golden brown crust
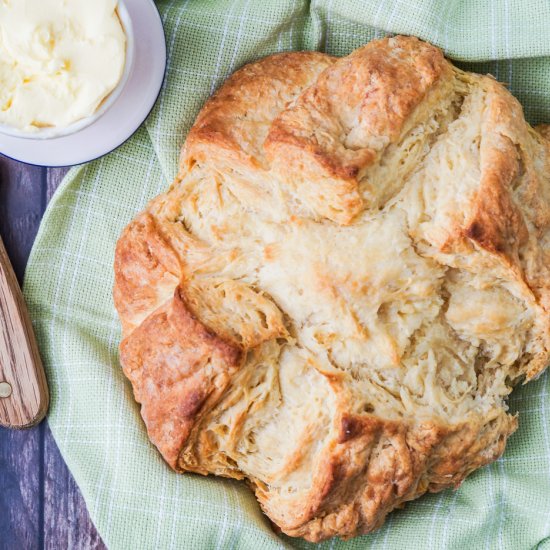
<point>350,272</point>
<point>376,465</point>
<point>146,269</point>
<point>174,362</point>
<point>386,464</point>
<point>509,198</point>
<point>175,365</point>
<point>234,123</point>
<point>358,107</point>
<point>496,222</point>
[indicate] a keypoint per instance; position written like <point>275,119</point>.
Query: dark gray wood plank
<point>21,453</point>
<point>21,488</point>
<point>54,177</point>
<point>22,202</point>
<point>40,504</point>
<point>66,520</point>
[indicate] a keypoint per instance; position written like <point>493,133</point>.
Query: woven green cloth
<point>135,501</point>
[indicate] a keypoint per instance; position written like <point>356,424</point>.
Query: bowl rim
<point>107,102</point>
<point>136,102</point>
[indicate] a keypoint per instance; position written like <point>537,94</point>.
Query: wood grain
<point>54,177</point>
<point>22,203</point>
<point>20,452</point>
<point>40,504</point>
<point>20,489</point>
<point>25,398</point>
<point>66,520</point>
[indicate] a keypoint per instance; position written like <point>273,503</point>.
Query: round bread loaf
<point>339,291</point>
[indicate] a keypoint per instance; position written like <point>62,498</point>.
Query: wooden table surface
<point>40,504</point>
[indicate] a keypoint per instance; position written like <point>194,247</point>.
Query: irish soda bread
<point>339,291</point>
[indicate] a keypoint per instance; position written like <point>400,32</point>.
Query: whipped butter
<point>59,59</point>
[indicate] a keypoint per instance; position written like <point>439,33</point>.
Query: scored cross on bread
<point>337,294</point>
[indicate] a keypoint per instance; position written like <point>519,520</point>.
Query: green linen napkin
<point>133,498</point>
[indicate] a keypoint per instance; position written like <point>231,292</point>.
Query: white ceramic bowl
<point>120,114</point>
<point>46,133</point>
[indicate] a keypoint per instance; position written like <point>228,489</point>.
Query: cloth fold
<point>134,499</point>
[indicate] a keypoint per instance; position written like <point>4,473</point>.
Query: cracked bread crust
<point>337,128</point>
<point>344,283</point>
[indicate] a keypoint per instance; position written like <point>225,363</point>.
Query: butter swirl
<point>59,59</point>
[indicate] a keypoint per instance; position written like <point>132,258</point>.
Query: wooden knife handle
<point>23,388</point>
